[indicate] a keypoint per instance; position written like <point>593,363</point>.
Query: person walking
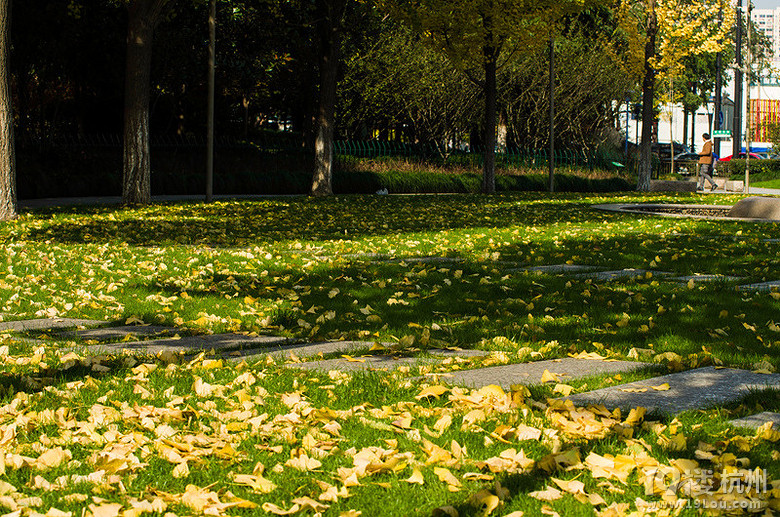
<point>705,164</point>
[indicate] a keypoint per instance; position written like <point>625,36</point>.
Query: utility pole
<point>552,115</point>
<point>736,130</point>
<point>210,116</point>
<point>718,96</point>
<point>749,67</point>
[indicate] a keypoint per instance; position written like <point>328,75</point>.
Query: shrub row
<point>62,173</point>
<point>760,170</point>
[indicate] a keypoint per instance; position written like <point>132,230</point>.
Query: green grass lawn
<point>766,184</point>
<point>205,436</point>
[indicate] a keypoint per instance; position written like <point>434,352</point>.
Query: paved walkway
<point>700,388</point>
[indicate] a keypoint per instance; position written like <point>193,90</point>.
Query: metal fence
<point>510,157</point>
<point>374,149</point>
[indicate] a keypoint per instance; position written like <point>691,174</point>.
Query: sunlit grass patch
<point>347,268</point>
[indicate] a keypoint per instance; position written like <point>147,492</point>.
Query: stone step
<point>556,269</point>
<point>117,333</point>
<point>384,362</point>
<point>566,369</point>
<point>302,350</point>
<point>754,421</point>
<point>693,389</point>
<point>774,285</point>
<point>705,278</point>
<point>628,273</point>
<point>187,344</point>
<point>47,324</point>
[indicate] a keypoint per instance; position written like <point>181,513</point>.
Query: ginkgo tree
<point>673,31</point>
<point>478,36</point>
<point>686,28</point>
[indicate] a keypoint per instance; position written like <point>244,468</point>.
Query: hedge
<point>97,172</point>
<point>760,170</point>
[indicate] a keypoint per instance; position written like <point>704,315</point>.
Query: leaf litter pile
<point>175,435</point>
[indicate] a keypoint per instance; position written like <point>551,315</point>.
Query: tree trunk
<point>648,92</point>
<point>143,15</point>
<point>329,34</point>
<point>489,138</point>
<point>7,154</point>
<point>685,127</point>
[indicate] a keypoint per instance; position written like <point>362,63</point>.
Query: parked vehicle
<point>686,156</point>
<point>663,149</point>
<point>742,156</point>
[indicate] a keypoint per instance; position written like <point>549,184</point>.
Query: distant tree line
<point>447,74</point>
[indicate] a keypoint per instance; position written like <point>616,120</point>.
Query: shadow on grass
<point>334,218</point>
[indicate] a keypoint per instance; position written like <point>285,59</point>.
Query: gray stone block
<point>383,362</point>
<point>47,324</point>
<point>430,260</point>
<point>115,333</point>
<point>217,342</point>
<point>758,420</point>
<point>560,268</point>
<point>774,285</point>
<point>693,389</point>
<point>672,186</point>
<point>757,208</point>
<point>620,274</point>
<point>531,373</point>
<point>705,278</point>
<point>301,350</point>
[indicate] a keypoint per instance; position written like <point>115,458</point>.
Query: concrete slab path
<point>701,388</point>
<point>758,420</point>
<point>531,373</point>
<point>47,324</point>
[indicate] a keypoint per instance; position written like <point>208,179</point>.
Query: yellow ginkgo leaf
<point>182,470</point>
<point>432,391</point>
<point>272,508</point>
<point>548,494</point>
<point>563,389</point>
<point>485,502</point>
<point>416,478</point>
<point>548,376</point>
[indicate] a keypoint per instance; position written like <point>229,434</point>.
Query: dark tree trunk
<point>143,15</point>
<point>7,154</point>
<point>489,138</point>
<point>685,127</point>
<point>330,13</point>
<point>648,92</point>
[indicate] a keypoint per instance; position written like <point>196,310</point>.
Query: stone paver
<point>762,286</point>
<point>621,273</point>
<point>47,323</point>
<point>706,278</point>
<point>531,373</point>
<point>302,350</point>
<point>693,389</point>
<point>430,260</point>
<point>114,333</point>
<point>560,268</point>
<point>758,420</point>
<point>383,257</point>
<point>384,362</point>
<point>221,342</point>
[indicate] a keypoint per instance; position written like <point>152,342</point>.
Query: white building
<point>701,122</point>
<point>768,22</point>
